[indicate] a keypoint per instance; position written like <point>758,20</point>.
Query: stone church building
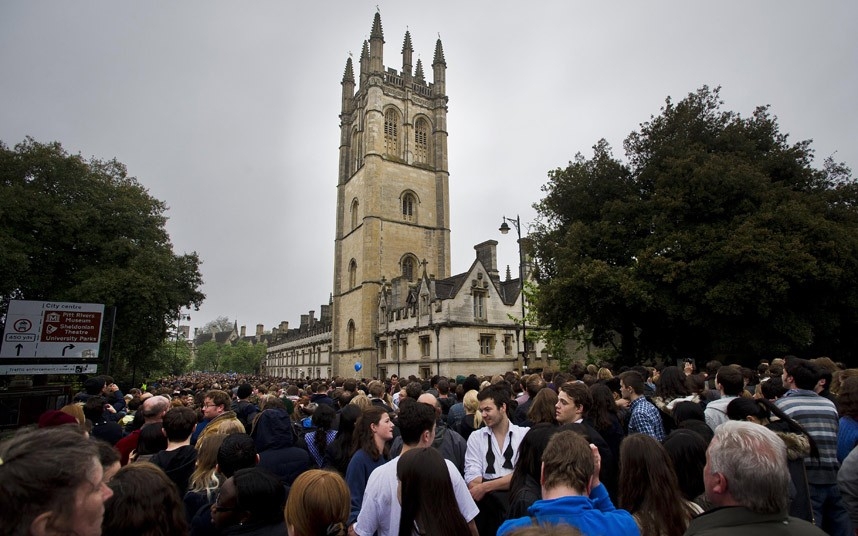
<point>395,307</point>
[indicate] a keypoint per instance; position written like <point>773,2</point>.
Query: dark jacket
<point>449,443</point>
<point>798,447</point>
<point>107,431</point>
<point>739,521</point>
<point>245,411</point>
<point>179,465</point>
<point>382,404</point>
<point>466,426</point>
<point>520,416</point>
<point>275,439</point>
<point>322,398</point>
<point>524,497</point>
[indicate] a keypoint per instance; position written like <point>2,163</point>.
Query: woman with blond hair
<point>472,419</point>
<point>361,400</point>
<point>318,505</point>
<point>75,409</point>
<point>205,480</point>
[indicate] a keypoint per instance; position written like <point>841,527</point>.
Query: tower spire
<point>364,63</point>
<point>348,84</point>
<point>407,52</point>
<point>439,54</point>
<point>439,69</point>
<point>349,74</point>
<point>418,74</point>
<point>376,45</point>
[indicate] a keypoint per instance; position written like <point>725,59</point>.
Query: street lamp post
<point>182,316</point>
<point>504,229</point>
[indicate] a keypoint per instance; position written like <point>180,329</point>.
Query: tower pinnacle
<point>407,51</point>
<point>439,69</point>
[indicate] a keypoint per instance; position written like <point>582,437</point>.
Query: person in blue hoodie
<point>571,492</point>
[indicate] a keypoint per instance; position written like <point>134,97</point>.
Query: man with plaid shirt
<point>644,418</point>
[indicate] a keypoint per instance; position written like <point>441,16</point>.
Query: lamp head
<point>504,228</point>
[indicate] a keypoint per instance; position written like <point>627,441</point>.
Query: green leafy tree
<point>240,356</point>
<point>84,231</point>
<point>244,357</point>
<point>172,358</point>
<point>716,237</point>
<point>210,357</point>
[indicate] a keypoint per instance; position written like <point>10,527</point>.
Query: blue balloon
<point>358,366</point>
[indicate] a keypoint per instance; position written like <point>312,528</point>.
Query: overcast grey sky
<point>228,111</point>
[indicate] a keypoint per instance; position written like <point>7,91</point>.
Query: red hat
<point>55,417</point>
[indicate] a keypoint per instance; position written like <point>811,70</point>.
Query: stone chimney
<point>259,330</point>
<point>325,313</point>
<point>243,331</point>
<point>305,322</point>
<point>284,326</point>
<point>487,254</point>
<point>312,319</point>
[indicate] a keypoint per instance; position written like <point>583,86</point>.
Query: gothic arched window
<point>354,213</point>
<point>391,132</point>
<point>409,207</point>
<point>352,274</point>
<point>408,265</point>
<point>421,141</point>
<point>351,334</point>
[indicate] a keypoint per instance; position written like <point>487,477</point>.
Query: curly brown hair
<point>847,399</point>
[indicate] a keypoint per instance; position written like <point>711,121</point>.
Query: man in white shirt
<point>491,456</point>
<point>381,510</point>
<point>730,384</point>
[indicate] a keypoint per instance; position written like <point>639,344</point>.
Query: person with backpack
<point>244,409</point>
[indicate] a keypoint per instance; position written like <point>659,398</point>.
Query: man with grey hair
<point>153,410</point>
<point>746,480</point>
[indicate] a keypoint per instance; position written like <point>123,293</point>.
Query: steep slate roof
<point>220,337</point>
<point>450,287</point>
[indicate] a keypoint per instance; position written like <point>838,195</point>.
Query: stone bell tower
<point>393,209</point>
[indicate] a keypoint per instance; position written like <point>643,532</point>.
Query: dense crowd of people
<point>657,451</point>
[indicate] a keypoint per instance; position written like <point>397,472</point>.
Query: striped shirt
<point>819,417</point>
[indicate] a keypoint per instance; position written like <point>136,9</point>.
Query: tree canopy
<point>240,356</point>
<point>84,231</point>
<point>221,323</point>
<point>716,237</point>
